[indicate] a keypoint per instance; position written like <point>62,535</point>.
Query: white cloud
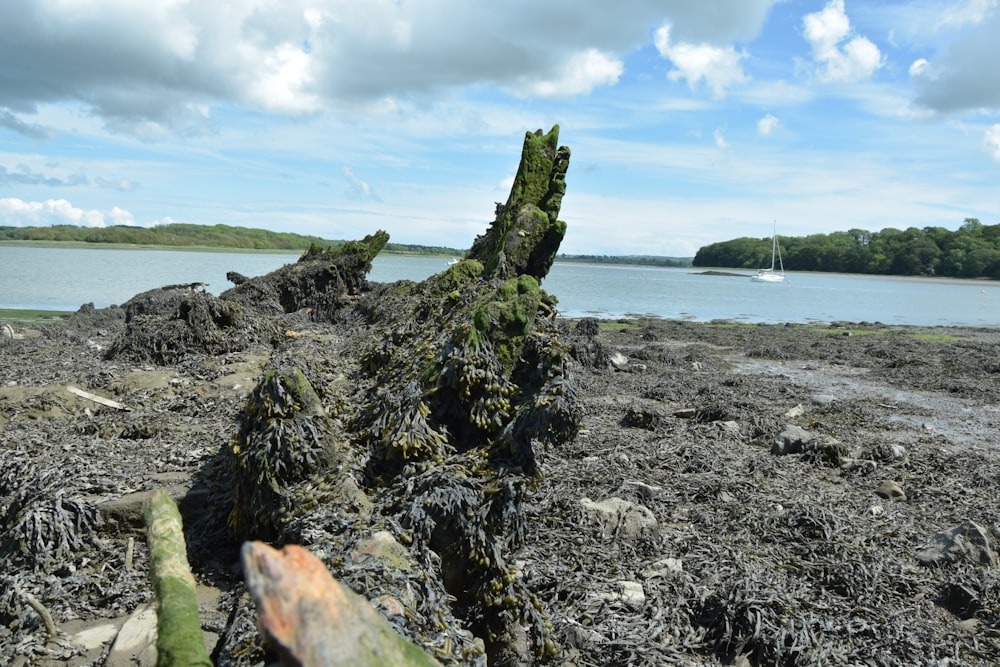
<point>120,216</point>
<point>965,74</point>
<point>158,67</point>
<point>718,67</point>
<point>839,56</point>
<point>919,67</point>
<point>18,213</point>
<point>991,141</point>
<point>581,74</point>
<point>720,139</point>
<point>767,125</point>
<point>357,188</point>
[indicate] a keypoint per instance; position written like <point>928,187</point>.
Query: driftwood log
<point>314,621</point>
<point>179,640</point>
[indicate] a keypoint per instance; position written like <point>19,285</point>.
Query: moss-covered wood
<point>526,233</point>
<point>179,639</point>
<point>460,385</point>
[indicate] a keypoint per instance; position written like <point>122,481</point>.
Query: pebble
<point>890,490</point>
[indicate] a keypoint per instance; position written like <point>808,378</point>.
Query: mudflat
<point>737,494</point>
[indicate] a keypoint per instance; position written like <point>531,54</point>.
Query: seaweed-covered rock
<point>166,325</point>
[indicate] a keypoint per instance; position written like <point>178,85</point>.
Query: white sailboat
<point>771,275</point>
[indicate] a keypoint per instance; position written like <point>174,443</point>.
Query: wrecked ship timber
<point>392,434</point>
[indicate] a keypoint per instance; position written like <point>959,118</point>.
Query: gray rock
<point>646,414</point>
<point>792,440</point>
<point>968,541</point>
<point>664,567</point>
<point>890,490</point>
<point>621,594</point>
<point>618,516</point>
<point>823,399</point>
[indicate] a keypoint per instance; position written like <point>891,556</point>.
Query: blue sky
<point>690,122</point>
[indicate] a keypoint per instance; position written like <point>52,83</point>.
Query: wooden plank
<point>95,398</point>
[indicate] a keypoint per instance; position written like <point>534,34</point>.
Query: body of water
<point>55,278</point>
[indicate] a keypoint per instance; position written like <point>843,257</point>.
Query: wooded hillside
<point>195,236</point>
<point>973,251</point>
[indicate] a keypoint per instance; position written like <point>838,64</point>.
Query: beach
<point>736,494</point>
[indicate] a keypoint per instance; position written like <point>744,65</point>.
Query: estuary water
<point>58,278</point>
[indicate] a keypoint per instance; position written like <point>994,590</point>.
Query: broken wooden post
<point>313,620</point>
<point>179,640</point>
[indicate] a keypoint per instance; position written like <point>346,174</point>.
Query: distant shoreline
<point>77,245</point>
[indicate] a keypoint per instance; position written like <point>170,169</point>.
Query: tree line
<point>182,235</point>
<point>640,260</point>
<point>972,251</point>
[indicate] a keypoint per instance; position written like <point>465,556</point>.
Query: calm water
<point>64,278</point>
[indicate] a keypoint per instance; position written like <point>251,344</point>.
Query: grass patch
<point>616,326</point>
<point>848,332</point>
<point>29,315</point>
<point>937,337</point>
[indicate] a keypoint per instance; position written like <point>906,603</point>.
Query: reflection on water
<point>65,278</point>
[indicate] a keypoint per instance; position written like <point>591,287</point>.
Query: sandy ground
<point>673,530</point>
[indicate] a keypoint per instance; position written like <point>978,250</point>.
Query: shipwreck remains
<point>407,478</point>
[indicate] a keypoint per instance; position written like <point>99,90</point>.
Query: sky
<point>690,122</point>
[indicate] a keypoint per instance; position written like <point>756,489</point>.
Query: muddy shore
<point>758,494</point>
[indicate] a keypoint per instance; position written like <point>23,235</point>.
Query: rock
<point>685,413</point>
<point>618,360</point>
<point>792,440</point>
<point>621,594</point>
<point>890,490</point>
<point>643,489</point>
<point>822,400</point>
<point>384,548</point>
<point>664,567</point>
<point>968,541</point>
<point>645,413</point>
<point>797,411</point>
<point>618,516</point>
<point>630,594</point>
<point>729,428</point>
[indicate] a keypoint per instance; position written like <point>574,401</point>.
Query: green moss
<point>29,315</point>
<point>618,326</point>
<point>937,337</point>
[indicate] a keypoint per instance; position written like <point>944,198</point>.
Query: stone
<point>968,541</point>
<point>822,400</point>
<point>645,490</point>
<point>792,440</point>
<point>797,411</point>
<point>729,428</point>
<point>645,414</point>
<point>383,547</point>
<point>622,594</point>
<point>664,567</point>
<point>890,490</point>
<point>618,516</point>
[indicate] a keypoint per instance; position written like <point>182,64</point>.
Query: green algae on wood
<point>526,233</point>
<point>179,640</point>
